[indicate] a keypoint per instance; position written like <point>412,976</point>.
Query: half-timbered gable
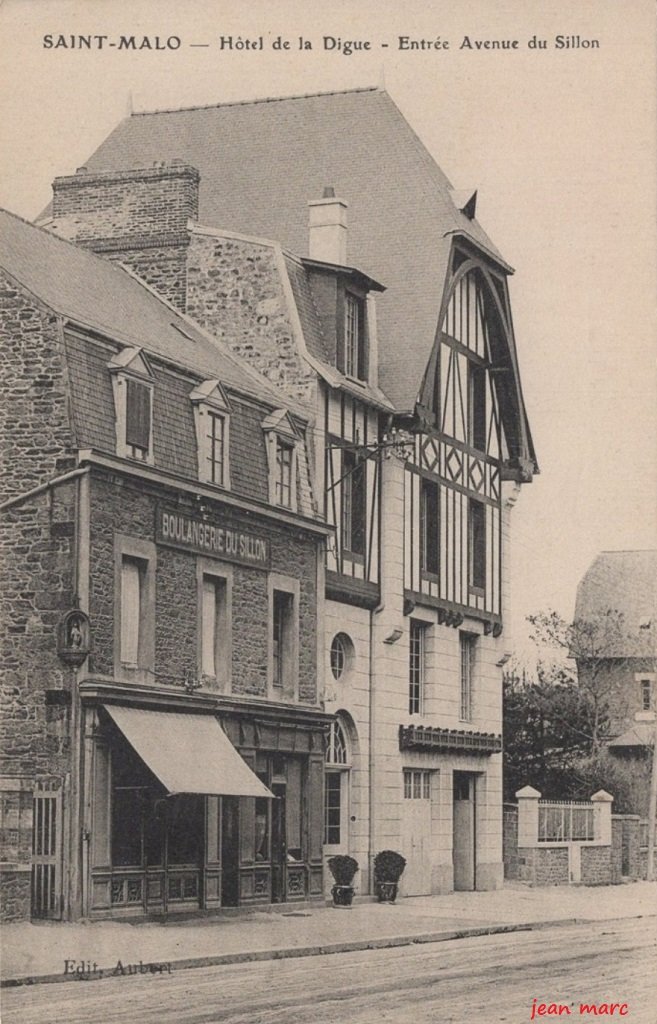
<point>472,436</point>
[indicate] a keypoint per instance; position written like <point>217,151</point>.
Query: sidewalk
<point>37,952</point>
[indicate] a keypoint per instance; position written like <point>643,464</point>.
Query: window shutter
<point>138,415</point>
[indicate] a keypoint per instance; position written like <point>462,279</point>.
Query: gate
<point>47,851</point>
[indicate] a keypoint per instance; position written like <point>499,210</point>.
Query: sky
<point>559,142</point>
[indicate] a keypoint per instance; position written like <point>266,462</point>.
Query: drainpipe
<point>78,848</point>
<point>372,701</point>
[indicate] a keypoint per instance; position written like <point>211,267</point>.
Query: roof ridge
<point>258,99</point>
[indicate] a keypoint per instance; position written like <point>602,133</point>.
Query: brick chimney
<point>138,217</point>
<point>327,229</point>
<point>143,201</point>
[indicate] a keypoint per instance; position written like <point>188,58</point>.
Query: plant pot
<point>386,891</point>
<point>342,895</point>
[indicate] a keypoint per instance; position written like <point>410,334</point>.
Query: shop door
<point>230,852</point>
<point>463,855</point>
<point>416,833</point>
<point>278,844</point>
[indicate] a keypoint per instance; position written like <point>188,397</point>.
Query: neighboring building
<point>624,583</point>
<point>420,437</point>
<point>163,567</point>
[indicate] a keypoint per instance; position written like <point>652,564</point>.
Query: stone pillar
<point>602,802</point>
<point>528,798</point>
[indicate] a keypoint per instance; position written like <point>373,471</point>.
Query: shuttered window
<point>131,609</point>
<point>138,415</point>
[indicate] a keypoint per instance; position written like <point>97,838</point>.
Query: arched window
<point>336,790</point>
<point>336,746</point>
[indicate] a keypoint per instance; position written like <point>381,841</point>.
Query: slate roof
<point>623,581</point>
<point>96,294</point>
<point>262,161</point>
<point>639,734</point>
<point>101,295</point>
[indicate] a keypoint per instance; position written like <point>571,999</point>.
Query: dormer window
<point>284,458</point>
<point>354,337</point>
<point>212,422</point>
<point>138,418</point>
<point>281,438</point>
<point>133,385</point>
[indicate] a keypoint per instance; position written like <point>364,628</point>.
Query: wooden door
<point>464,832</point>
<point>416,844</point>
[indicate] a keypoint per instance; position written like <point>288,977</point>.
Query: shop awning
<point>187,753</point>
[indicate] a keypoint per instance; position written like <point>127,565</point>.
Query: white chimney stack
<point>327,227</point>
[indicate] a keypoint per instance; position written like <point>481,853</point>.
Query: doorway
<point>416,827</point>
<point>278,844</point>
<point>464,837</point>
<point>230,852</point>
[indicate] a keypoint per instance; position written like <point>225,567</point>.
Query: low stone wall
<point>596,865</point>
<point>616,849</point>
<point>14,892</point>
<point>543,865</point>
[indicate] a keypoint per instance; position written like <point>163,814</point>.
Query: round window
<point>341,654</point>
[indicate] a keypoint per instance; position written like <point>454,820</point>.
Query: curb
<point>285,953</point>
<point>290,952</point>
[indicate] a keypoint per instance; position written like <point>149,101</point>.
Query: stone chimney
<point>138,217</point>
<point>327,229</point>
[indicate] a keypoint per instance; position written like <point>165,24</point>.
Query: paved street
<point>491,979</point>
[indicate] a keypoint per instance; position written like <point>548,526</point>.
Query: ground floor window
<point>417,784</point>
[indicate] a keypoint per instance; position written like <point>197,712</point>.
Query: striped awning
<point>188,753</point>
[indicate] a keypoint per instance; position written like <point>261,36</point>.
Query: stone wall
<point>543,865</point>
<point>163,267</point>
<point>15,847</point>
<point>35,433</point>
<point>616,856</point>
<point>125,508</point>
<point>15,893</point>
<point>37,545</point>
<point>596,865</point>
<point>235,291</point>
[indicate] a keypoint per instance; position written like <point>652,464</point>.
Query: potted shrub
<point>388,869</point>
<point>343,869</point>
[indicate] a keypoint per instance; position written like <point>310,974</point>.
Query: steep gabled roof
<point>623,581</point>
<point>262,161</point>
<point>101,295</point>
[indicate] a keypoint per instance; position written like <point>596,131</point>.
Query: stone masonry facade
<point>35,431</point>
<point>121,507</point>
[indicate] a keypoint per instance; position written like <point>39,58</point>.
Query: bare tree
<point>599,647</point>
